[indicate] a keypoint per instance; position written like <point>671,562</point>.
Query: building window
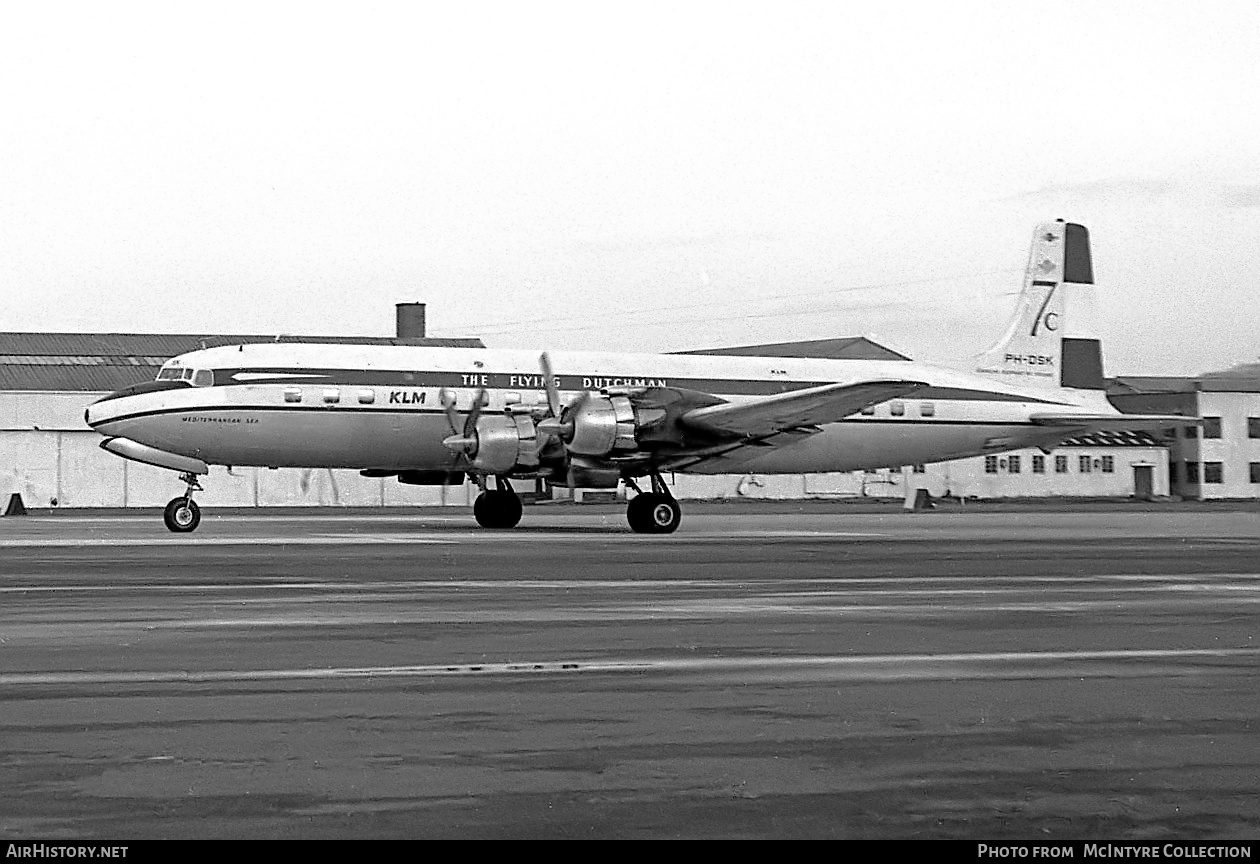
<point>1211,427</point>
<point>1192,472</point>
<point>1039,464</point>
<point>1255,472</point>
<point>1192,431</point>
<point>292,394</point>
<point>1172,473</point>
<point>1084,465</point>
<point>898,408</point>
<point>1060,465</point>
<point>1109,464</point>
<point>1012,464</point>
<point>927,409</point>
<point>990,465</point>
<point>1253,427</point>
<point>920,469</point>
<point>1212,472</point>
<point>1170,432</point>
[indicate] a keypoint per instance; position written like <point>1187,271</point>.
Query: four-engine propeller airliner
<point>594,420</point>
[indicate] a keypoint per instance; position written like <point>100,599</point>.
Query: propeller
<point>463,441</point>
<point>559,421</point>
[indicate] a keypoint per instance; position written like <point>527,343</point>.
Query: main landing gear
<point>182,514</point>
<point>498,508</point>
<point>655,512</point>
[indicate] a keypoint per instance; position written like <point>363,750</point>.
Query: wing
<point>809,407</point>
<point>1113,422</point>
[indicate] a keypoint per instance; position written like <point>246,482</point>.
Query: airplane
<point>599,419</point>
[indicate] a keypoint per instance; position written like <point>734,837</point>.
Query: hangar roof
<point>1240,379</point>
<point>110,361</point>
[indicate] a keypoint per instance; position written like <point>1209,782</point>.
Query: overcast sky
<point>631,176</point>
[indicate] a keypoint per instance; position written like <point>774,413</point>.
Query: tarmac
<point>794,670</point>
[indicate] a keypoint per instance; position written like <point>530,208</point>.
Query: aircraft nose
<point>100,411</point>
<point>110,405</point>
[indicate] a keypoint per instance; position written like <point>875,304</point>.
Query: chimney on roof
<point>410,317</point>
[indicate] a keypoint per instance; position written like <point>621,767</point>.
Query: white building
<point>1103,465</point>
<point>1220,458</point>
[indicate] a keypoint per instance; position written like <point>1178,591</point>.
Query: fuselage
<point>379,407</point>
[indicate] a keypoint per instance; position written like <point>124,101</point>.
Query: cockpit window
<point>198,377</point>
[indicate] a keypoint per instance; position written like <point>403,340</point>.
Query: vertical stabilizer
<point>1051,341</point>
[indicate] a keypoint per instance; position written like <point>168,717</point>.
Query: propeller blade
<point>447,398</point>
<point>479,402</point>
<point>549,382</point>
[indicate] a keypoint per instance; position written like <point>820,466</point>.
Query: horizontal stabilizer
<point>1113,422</point>
<point>812,406</point>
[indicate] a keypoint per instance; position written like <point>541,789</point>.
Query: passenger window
<point>898,409</point>
<point>332,395</point>
<point>927,409</point>
<point>869,411</point>
<point>203,378</point>
<point>292,394</point>
<point>367,397</point>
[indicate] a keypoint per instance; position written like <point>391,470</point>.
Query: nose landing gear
<point>182,514</point>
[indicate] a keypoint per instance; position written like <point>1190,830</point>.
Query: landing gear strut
<point>182,514</point>
<point>655,512</point>
<point>498,508</point>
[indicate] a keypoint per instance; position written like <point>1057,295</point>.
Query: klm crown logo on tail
<point>1050,341</point>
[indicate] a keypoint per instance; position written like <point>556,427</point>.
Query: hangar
<point>51,459</point>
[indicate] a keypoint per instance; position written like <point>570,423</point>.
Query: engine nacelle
<point>505,443</point>
<point>603,424</point>
<point>591,474</point>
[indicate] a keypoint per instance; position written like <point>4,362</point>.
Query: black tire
<point>497,508</point>
<point>182,515</point>
<point>653,513</point>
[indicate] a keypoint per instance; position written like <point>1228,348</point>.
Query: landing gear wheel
<point>182,515</point>
<point>653,513</point>
<point>497,508</point>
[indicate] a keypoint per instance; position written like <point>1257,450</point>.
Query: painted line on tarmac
<point>212,518</point>
<point>474,536</point>
<point>1198,583</point>
<point>317,540</point>
<point>886,667</point>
